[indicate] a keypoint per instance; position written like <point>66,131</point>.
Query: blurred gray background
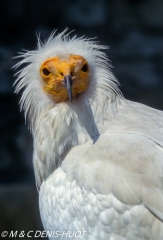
<point>133,29</point>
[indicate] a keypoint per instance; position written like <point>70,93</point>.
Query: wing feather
<point>128,165</point>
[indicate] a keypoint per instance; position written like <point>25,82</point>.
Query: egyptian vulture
<point>98,158</point>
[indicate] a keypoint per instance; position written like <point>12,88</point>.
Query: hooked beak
<point>68,84</point>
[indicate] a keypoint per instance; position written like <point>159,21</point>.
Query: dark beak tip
<point>68,85</point>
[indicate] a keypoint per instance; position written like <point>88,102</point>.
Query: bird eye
<point>45,71</point>
<point>85,68</point>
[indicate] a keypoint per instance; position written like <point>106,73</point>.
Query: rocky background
<point>133,29</point>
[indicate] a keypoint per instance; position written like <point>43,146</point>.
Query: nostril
<point>71,74</point>
<point>61,73</point>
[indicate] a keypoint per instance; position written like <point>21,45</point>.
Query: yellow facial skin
<point>54,70</point>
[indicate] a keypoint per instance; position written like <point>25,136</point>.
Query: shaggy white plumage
<point>98,160</point>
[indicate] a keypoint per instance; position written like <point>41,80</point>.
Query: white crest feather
<point>34,99</point>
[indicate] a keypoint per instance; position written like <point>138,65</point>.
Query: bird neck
<point>60,128</point>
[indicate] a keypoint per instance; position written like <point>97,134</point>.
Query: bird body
<point>98,158</point>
